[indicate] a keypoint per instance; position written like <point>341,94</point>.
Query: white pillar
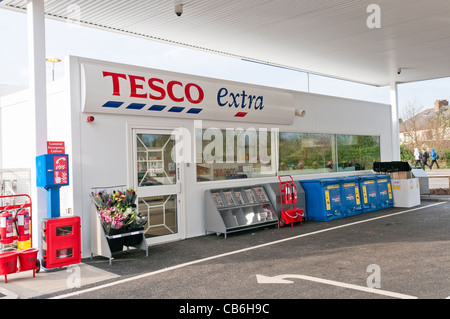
<point>38,100</point>
<point>395,124</point>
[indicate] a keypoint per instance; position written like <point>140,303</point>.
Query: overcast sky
<point>65,39</point>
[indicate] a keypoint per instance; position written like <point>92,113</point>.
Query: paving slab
<point>24,286</point>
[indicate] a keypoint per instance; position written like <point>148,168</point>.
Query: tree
<point>412,124</point>
<point>439,125</point>
<point>427,129</point>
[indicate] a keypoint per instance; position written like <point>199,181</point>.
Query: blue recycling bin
<point>385,196</point>
<point>351,196</point>
<point>323,199</point>
<point>369,192</point>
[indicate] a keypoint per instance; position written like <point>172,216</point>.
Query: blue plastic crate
<point>385,195</point>
<point>369,192</point>
<point>351,196</point>
<point>323,199</point>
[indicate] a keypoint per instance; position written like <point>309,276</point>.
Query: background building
<point>427,129</point>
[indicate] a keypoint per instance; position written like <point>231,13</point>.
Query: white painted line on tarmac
<point>119,282</point>
<point>282,279</point>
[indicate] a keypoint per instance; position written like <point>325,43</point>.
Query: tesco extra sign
<point>167,94</point>
<point>155,89</point>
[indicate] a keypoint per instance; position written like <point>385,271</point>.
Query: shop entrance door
<point>157,180</point>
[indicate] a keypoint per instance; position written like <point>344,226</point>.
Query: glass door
<point>157,181</point>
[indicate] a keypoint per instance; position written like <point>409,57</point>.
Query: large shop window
<point>309,153</point>
<point>223,154</point>
<point>356,152</point>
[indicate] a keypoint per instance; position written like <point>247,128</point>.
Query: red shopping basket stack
<point>288,197</point>
<point>8,263</point>
<point>27,261</point>
<point>21,258</point>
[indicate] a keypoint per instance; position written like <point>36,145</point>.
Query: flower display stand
<point>103,244</point>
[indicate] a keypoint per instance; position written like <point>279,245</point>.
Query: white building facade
<point>166,135</point>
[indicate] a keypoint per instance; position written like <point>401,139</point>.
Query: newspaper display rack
<point>236,209</point>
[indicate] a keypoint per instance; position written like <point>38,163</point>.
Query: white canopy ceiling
<point>326,37</point>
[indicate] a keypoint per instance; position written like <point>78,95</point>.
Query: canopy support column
<point>38,101</point>
<point>395,122</point>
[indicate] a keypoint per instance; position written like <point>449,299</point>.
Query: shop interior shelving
<point>151,165</point>
<point>236,209</point>
<point>224,171</point>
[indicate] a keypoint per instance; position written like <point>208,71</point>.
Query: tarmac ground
<point>395,253</point>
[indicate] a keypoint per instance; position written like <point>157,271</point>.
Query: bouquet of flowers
<point>111,218</point>
<point>100,199</point>
<point>137,221</point>
<point>118,210</point>
<point>122,200</point>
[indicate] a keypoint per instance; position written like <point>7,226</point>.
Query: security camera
<point>179,9</point>
<point>300,113</point>
<point>399,70</point>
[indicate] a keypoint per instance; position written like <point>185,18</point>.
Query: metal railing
<point>13,182</point>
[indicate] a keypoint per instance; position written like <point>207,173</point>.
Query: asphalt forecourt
<point>396,253</point>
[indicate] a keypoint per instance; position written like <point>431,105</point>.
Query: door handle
<point>178,179</point>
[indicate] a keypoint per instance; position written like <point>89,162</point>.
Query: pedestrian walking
<point>418,158</point>
<point>425,156</point>
<point>434,158</point>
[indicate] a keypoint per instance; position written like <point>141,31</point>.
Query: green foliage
<point>445,157</point>
<point>405,154</point>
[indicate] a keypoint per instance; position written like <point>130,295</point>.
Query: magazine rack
<point>236,209</point>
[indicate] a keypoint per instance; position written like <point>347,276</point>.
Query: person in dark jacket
<point>434,158</point>
<point>425,156</point>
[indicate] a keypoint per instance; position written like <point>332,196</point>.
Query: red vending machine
<point>61,245</point>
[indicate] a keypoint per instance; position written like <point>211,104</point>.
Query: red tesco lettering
<point>157,89</point>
